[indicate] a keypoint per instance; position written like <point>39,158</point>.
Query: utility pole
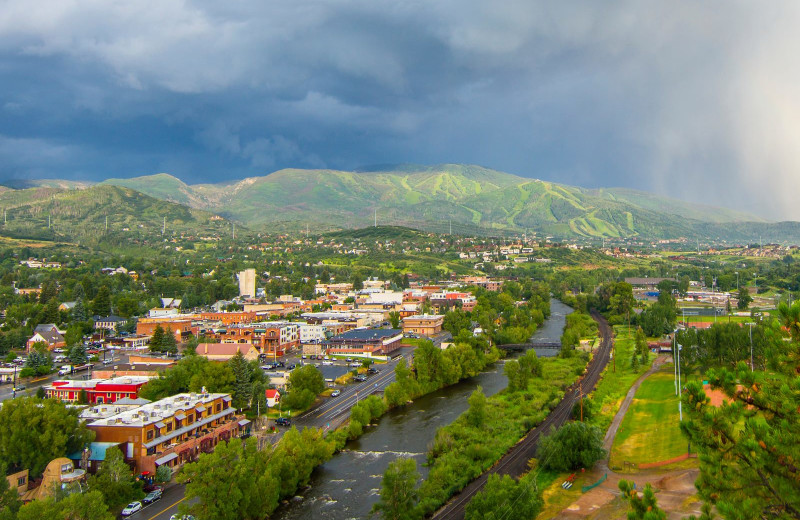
<point>580,389</point>
<point>48,221</point>
<point>750,324</point>
<point>451,226</point>
<point>233,224</point>
<point>106,223</point>
<point>376,218</point>
<point>164,227</point>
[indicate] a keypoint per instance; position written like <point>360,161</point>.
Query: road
<point>328,414</point>
<point>31,385</point>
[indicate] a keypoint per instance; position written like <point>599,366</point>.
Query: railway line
<point>515,461</point>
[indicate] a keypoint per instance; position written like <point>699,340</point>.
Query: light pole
<point>756,281</point>
<point>750,324</point>
<point>737,281</point>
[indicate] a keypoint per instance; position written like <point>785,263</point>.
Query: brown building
<point>171,431</point>
<point>182,328</point>
<point>426,324</point>
<point>225,351</point>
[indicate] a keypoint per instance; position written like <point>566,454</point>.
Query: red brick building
<point>98,391</point>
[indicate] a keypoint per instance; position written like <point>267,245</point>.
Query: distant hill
<point>464,199</point>
<point>75,213</point>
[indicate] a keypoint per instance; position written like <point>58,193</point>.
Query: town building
<point>426,324</point>
<point>247,283</point>
<point>171,431</point>
<point>365,342</point>
<point>98,391</point>
<point>49,334</point>
<point>225,351</point>
<point>110,323</point>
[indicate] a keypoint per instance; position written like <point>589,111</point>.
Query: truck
<point>65,370</point>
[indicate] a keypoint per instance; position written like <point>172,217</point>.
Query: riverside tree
<point>399,491</point>
<point>505,498</point>
<point>573,446</point>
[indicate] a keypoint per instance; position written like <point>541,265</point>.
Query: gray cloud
<point>693,99</point>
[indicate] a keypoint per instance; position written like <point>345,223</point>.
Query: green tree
<point>455,321</point>
<point>163,474</point>
<point>169,344</point>
<point>573,446</point>
<point>744,299</point>
<point>51,430</point>
<point>115,480</point>
<point>258,402</point>
<point>476,414</point>
<point>79,311</point>
<point>789,315</point>
<point>644,508</point>
<point>505,498</point>
<point>77,354</point>
<point>399,491</point>
<point>232,483</point>
<point>101,305</point>
<point>242,387</point>
<point>9,501</point>
<point>394,319</point>
<point>157,339</point>
<point>76,506</point>
<point>305,383</point>
<point>748,448</point>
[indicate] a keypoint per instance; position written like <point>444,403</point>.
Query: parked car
<point>283,421</point>
<point>360,378</point>
<point>348,359</point>
<point>355,364</point>
<point>152,496</point>
<point>131,508</point>
<point>181,517</point>
<point>336,393</point>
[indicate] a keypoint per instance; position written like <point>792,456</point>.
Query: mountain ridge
<point>470,197</point>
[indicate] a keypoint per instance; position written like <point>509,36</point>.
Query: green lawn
<point>617,379</point>
<point>650,432</point>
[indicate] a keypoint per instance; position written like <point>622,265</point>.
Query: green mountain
<point>463,198</point>
<point>73,214</point>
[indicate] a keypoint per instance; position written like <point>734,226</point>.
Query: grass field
<point>650,431</point>
<point>617,379</point>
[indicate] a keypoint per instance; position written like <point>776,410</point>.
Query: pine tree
<point>169,344</point>
<point>79,311</point>
<point>101,305</point>
<point>157,339</point>
<point>242,387</point>
<point>748,449</point>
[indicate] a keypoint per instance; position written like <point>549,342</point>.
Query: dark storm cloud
<point>685,98</point>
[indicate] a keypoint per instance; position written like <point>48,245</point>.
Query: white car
<point>336,393</point>
<point>131,508</point>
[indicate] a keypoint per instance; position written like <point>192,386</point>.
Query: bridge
<point>520,347</point>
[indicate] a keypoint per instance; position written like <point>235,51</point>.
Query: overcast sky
<point>698,100</point>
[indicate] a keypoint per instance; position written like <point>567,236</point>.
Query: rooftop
<point>368,334</point>
<point>158,410</point>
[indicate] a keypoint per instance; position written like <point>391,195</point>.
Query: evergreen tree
<point>116,480</point>
<point>242,387</point>
<point>101,305</point>
<point>79,311</point>
<point>169,343</point>
<point>644,508</point>
<point>157,339</point>
<point>748,448</point>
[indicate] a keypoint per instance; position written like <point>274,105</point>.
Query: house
<point>273,397</point>
<point>108,322</point>
<point>67,306</point>
<point>225,351</point>
<point>171,431</point>
<point>47,334</point>
<point>426,324</point>
<point>365,342</point>
<point>98,391</point>
<point>92,456</point>
<point>18,481</point>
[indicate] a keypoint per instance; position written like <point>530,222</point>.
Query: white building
<point>247,282</point>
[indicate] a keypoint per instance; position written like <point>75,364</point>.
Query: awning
<point>180,416</point>
<point>200,408</point>
<point>166,458</point>
<point>227,399</point>
<point>244,422</point>
<point>160,424</point>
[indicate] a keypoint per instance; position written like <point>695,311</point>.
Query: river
<point>347,486</point>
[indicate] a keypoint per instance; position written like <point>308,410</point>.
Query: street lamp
<point>737,281</point>
<point>750,324</point>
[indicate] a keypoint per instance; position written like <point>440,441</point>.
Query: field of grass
<point>617,379</point>
<point>650,431</point>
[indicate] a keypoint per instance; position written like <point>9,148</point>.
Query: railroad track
<point>515,461</point>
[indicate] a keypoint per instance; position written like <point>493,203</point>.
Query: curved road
<point>515,461</point>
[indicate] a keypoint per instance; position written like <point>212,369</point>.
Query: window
<point>149,434</point>
<point>169,427</point>
<point>21,481</point>
<point>219,407</point>
<point>189,419</point>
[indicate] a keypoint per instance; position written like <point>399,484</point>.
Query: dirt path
<point>674,488</point>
